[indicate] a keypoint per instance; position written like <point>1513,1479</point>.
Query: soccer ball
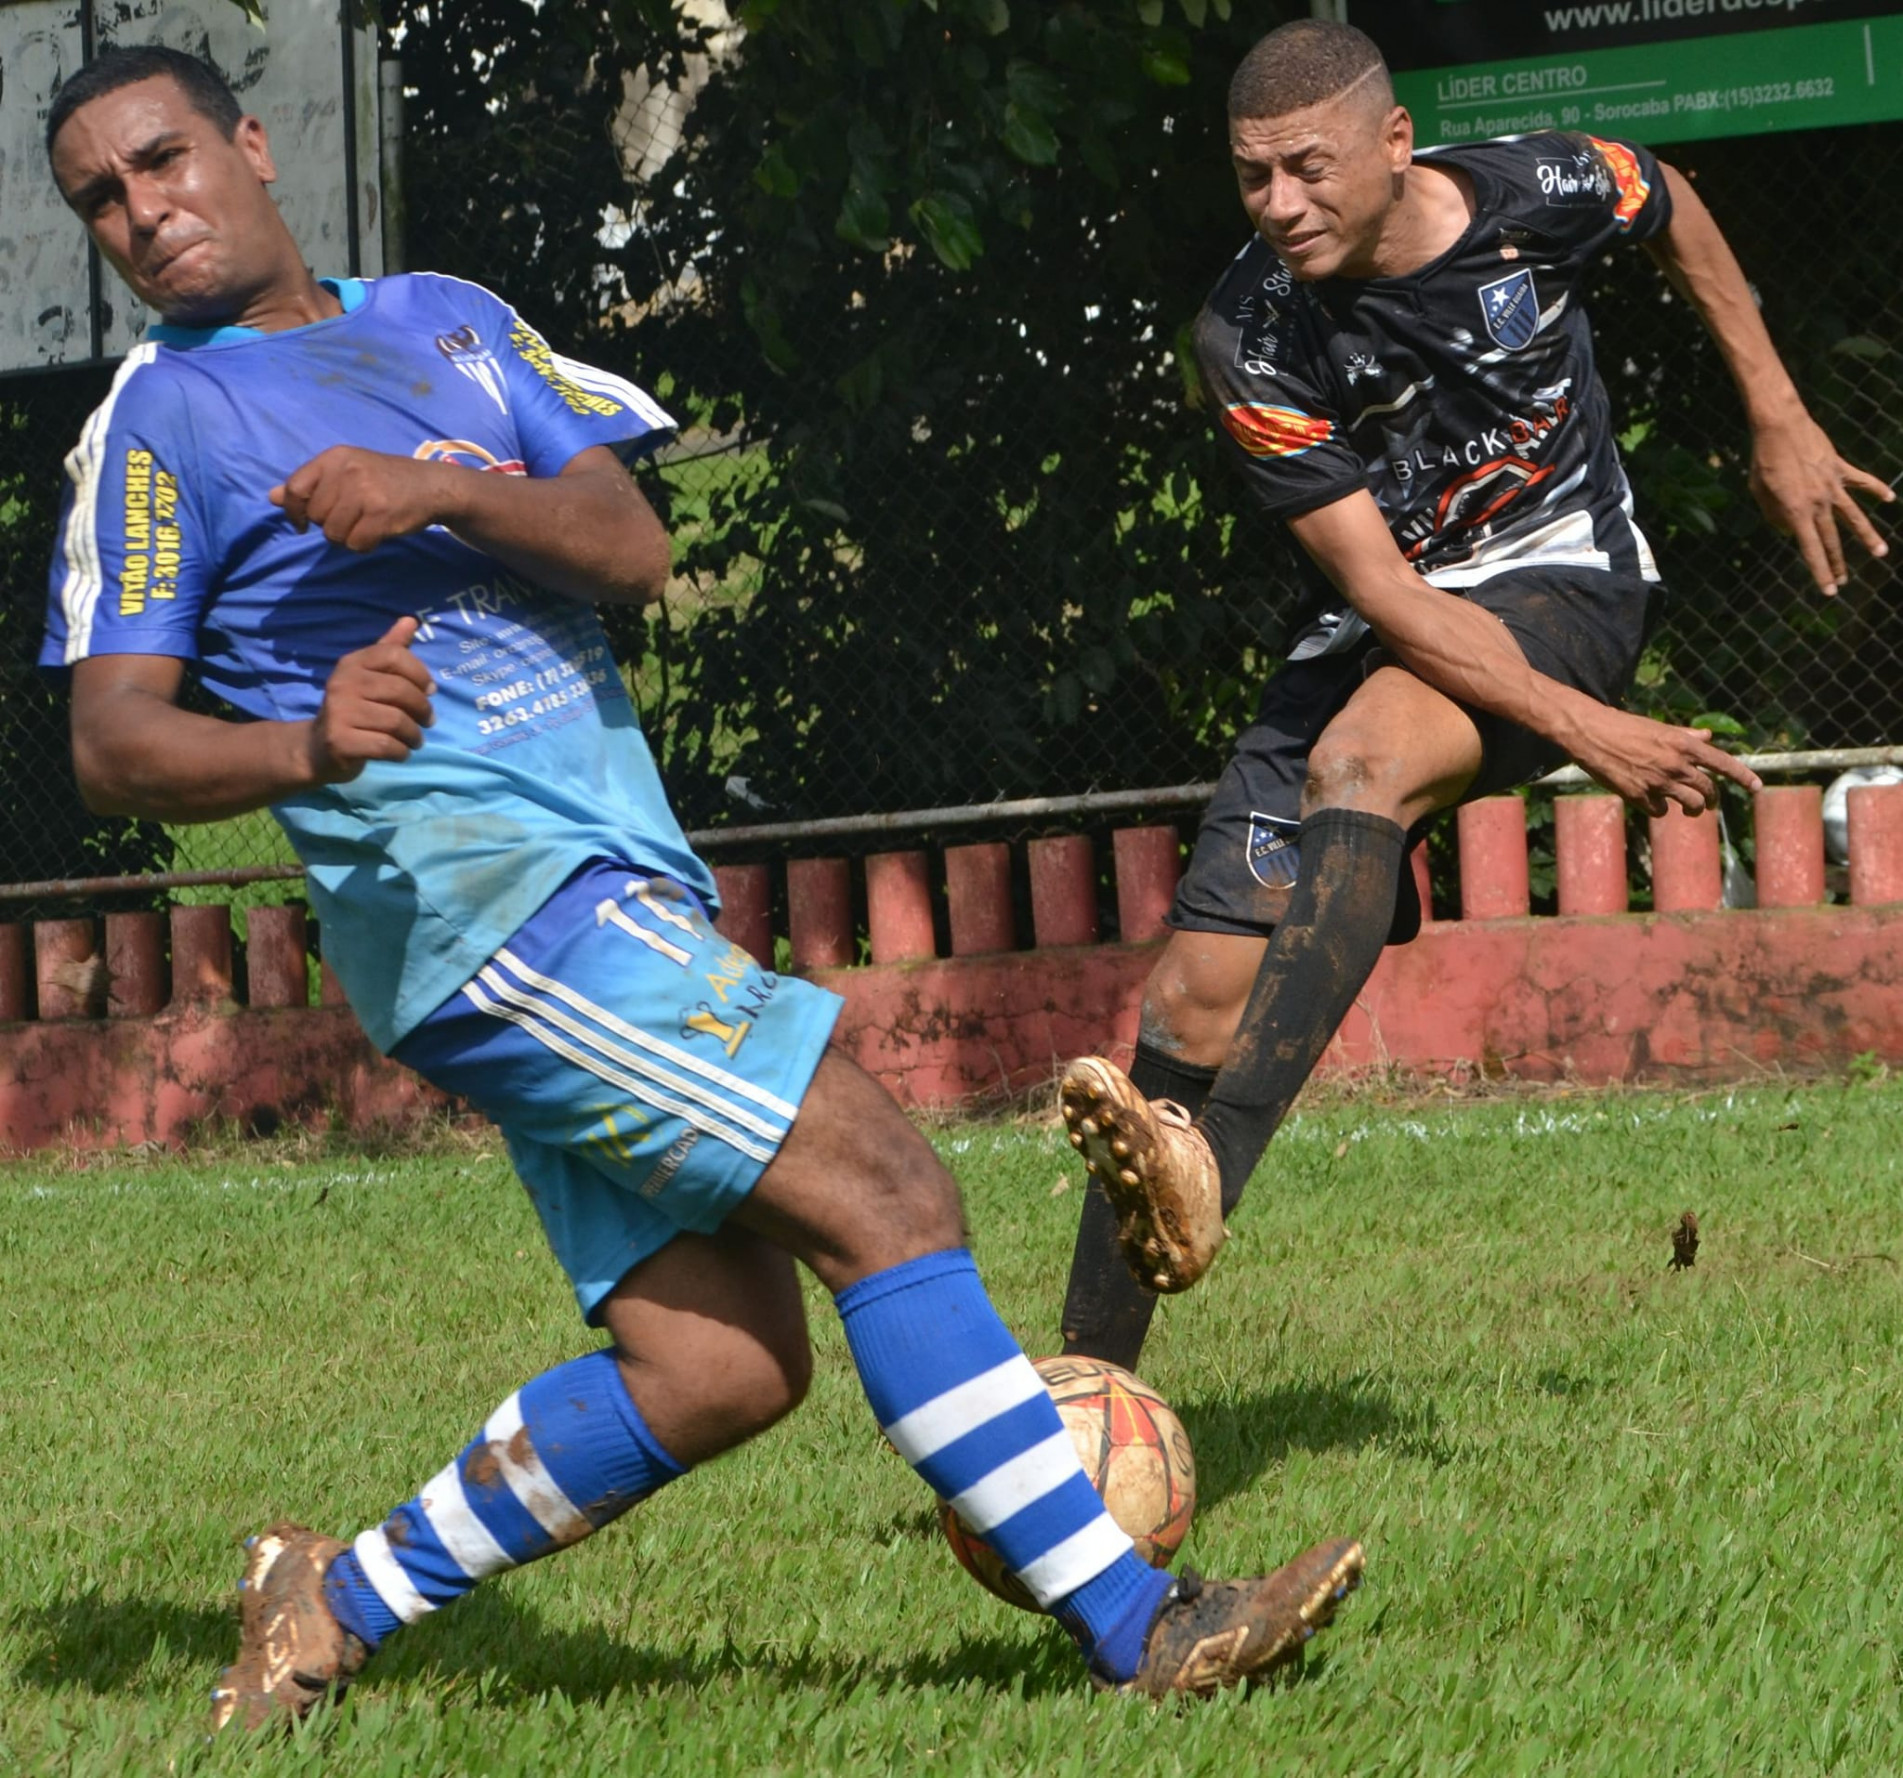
<point>1134,1450</point>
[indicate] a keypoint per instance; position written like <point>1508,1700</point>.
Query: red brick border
<point>1700,995</point>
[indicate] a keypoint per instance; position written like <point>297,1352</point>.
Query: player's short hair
<point>207,90</point>
<point>1308,63</point>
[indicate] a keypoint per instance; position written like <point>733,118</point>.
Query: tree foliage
<point>45,829</point>
<point>1746,636</point>
<point>929,260</point>
<point>929,263</point>
<point>920,268</point>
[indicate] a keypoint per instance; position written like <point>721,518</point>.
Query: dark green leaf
<point>1040,89</point>
<point>1183,350</point>
<point>1029,136</point>
<point>864,219</point>
<point>868,144</point>
<point>1167,65</point>
<point>775,174</point>
<point>945,218</point>
<point>1097,155</point>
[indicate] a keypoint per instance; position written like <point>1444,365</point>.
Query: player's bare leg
<point>855,1189</point>
<point>712,1345</point>
<point>1396,752</point>
<point>710,1348</point>
<point>709,1339</point>
<point>858,1195</point>
<point>1193,1000</point>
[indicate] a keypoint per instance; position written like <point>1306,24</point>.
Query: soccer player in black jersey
<point>1403,372</point>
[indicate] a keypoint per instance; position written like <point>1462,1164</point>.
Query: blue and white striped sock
<point>963,1405</point>
<point>560,1458</point>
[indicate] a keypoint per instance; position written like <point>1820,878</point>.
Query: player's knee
<point>1175,1000</point>
<point>915,1203</point>
<point>898,1208</point>
<point>1191,1004</point>
<point>857,1189</point>
<point>1174,1011</point>
<point>1351,769</point>
<point>897,1189</point>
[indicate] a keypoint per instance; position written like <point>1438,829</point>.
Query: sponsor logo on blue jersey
<point>465,350</point>
<point>466,453</point>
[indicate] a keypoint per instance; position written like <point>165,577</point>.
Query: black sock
<point>1339,916</point>
<point>1106,1311</point>
<point>1157,1075</point>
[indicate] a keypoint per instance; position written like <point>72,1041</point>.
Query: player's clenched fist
<point>360,498</point>
<point>376,706</point>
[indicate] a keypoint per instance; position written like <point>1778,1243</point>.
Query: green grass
<point>1617,1519</point>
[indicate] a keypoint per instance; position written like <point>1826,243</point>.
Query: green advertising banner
<point>1647,70</point>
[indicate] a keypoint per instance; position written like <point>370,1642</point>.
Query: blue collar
<point>348,291</point>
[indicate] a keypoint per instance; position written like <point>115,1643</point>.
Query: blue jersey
<point>169,545</point>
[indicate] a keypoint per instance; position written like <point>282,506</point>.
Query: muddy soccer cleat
<point>291,1651</point>
<point>1156,1170</point>
<point>1212,1634</point>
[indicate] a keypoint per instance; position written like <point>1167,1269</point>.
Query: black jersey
<point>1463,395</point>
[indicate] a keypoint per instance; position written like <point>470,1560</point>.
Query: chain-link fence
<point>949,534</point>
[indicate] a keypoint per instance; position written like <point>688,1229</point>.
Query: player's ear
<point>1397,138</point>
<point>255,146</point>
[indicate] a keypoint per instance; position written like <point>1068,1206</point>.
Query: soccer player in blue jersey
<point>374,518</point>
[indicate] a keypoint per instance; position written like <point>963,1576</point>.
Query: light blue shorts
<point>643,1069</point>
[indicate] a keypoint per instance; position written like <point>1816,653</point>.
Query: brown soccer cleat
<point>1156,1169</point>
<point>1211,1634</point>
<point>291,1650</point>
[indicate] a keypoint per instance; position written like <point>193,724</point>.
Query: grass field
<point>1618,1519</point>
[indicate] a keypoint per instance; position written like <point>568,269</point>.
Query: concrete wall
<point>135,1033</point>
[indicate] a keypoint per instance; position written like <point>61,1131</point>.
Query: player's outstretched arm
<point>587,532</point>
<point>1467,653</point>
<point>135,752</point>
<point>1797,477</point>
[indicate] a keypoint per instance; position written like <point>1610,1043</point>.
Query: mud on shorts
<point>1580,626</point>
<point>643,1070</point>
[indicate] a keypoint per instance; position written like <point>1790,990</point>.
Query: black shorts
<point>1581,626</point>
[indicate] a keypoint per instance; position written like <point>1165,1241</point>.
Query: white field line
<point>93,1188</point>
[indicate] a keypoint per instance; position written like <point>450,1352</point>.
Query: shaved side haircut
<point>1308,63</point>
